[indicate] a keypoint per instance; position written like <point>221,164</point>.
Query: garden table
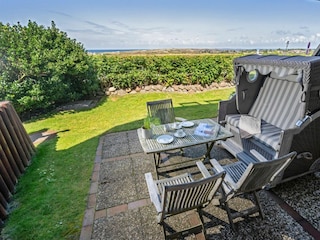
<point>196,132</point>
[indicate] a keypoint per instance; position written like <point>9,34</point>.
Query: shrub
<point>132,71</point>
<point>41,67</point>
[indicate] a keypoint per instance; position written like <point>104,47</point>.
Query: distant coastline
<point>112,50</point>
<point>193,51</point>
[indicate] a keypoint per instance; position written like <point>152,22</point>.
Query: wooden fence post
<point>16,151</point>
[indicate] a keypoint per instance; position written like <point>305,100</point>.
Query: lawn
<point>51,196</point>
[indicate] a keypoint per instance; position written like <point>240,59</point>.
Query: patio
<point>119,206</point>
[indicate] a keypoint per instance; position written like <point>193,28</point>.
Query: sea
<point>97,51</point>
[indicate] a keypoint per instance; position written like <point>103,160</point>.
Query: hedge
<point>123,71</point>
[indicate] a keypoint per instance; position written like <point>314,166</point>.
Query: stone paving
<point>119,206</point>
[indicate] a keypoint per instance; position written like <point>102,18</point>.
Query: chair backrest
<point>162,109</point>
<point>183,197</point>
<point>279,103</point>
<point>261,174</point>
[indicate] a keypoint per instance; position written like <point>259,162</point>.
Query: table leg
<point>208,153</point>
<point>206,156</point>
<point>157,160</point>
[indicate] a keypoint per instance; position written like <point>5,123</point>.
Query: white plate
<point>187,124</point>
<point>179,136</point>
<point>165,139</point>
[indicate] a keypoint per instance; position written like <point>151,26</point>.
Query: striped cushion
<point>279,103</point>
<point>270,134</point>
<point>279,106</point>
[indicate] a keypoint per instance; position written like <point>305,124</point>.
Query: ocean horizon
<point>112,50</point>
<point>100,51</point>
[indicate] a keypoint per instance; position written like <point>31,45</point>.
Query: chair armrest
<point>229,185</point>
<point>217,167</point>
<point>258,156</point>
<point>227,107</point>
<point>153,193</point>
<point>204,171</point>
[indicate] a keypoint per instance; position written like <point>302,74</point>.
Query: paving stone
<point>100,214</point>
<point>115,227</point>
<point>117,209</point>
<point>124,210</point>
<point>116,193</point>
<point>116,150</point>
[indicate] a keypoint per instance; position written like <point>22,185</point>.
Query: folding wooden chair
<point>163,109</point>
<point>249,179</point>
<point>182,193</point>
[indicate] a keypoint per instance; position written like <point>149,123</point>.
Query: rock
<point>188,87</point>
<point>121,92</point>
<point>147,88</point>
<point>215,85</point>
<point>112,89</point>
<point>193,87</point>
<point>175,87</point>
<point>200,88</point>
<point>138,89</point>
<point>170,89</point>
<point>128,90</point>
<point>223,84</point>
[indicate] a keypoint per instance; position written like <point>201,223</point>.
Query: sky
<point>160,24</point>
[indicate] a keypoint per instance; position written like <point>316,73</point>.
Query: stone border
<point>197,88</point>
<point>90,213</point>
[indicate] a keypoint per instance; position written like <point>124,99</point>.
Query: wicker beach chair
<point>176,195</point>
<point>249,179</point>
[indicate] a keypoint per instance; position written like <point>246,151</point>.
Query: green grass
<point>51,196</point>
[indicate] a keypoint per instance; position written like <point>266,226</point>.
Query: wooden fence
<point>16,150</point>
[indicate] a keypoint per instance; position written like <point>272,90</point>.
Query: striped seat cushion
<point>279,107</point>
<point>270,134</point>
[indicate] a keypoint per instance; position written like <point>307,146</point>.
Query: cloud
<point>103,29</point>
<point>234,29</point>
<point>123,33</point>
<point>120,24</point>
<point>96,25</point>
<point>85,31</point>
<point>60,13</point>
<point>282,32</point>
<point>305,28</point>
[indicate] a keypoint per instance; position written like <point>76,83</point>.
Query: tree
<point>41,67</point>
